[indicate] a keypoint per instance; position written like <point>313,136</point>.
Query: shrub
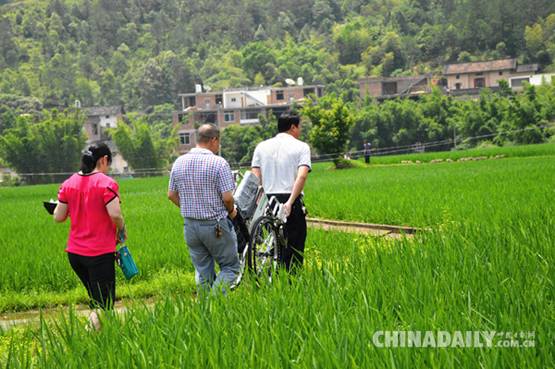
<point>341,163</point>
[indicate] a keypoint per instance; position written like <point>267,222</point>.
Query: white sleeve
<point>304,157</point>
<point>256,157</point>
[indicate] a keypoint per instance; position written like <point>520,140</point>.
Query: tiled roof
<point>527,68</point>
<point>103,110</point>
<point>395,79</point>
<point>484,66</point>
<point>247,89</point>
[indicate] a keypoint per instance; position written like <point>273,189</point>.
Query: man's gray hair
<point>206,132</point>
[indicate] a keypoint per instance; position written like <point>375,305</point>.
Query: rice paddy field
<point>484,263</point>
<point>506,151</point>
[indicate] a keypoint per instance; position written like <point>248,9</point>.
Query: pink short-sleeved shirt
<point>92,231</point>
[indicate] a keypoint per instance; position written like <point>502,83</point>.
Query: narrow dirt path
<point>32,317</point>
<point>378,230</point>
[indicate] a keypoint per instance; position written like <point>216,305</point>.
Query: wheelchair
<point>260,228</point>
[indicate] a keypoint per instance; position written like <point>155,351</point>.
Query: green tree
<point>525,114</point>
<point>7,120</point>
<point>52,145</point>
<point>142,145</point>
<point>260,34</point>
<point>258,58</point>
<point>61,50</point>
<point>163,77</point>
<point>238,142</point>
<point>331,120</point>
<point>224,71</point>
<point>351,39</point>
<point>8,47</point>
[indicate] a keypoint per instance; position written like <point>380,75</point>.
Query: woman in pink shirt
<point>91,200</point>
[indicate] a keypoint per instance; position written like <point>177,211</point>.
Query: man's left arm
<point>173,194</point>
<point>302,175</point>
<point>226,185</point>
<point>229,203</point>
<point>255,165</point>
<point>304,167</point>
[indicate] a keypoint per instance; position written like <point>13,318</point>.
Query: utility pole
<point>218,119</point>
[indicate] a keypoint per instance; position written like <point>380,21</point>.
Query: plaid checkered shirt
<point>200,178</point>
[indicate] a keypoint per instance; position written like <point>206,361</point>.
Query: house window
<point>191,101</point>
<point>278,111</point>
<point>233,99</point>
<point>308,91</point>
<point>279,95</point>
<point>184,138</point>
<point>389,88</point>
<point>229,116</point>
<point>479,83</point>
<point>500,73</point>
<point>519,82</point>
<point>107,117</point>
<point>95,129</point>
<point>251,114</point>
<point>458,76</point>
<point>457,86</point>
<point>108,125</point>
<point>219,99</point>
<point>480,74</point>
<point>209,117</point>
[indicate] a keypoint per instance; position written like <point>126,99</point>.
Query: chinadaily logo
<point>453,339</point>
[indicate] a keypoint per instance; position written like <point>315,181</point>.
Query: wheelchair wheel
<point>243,261</point>
<point>263,248</point>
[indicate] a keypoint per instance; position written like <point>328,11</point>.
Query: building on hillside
<point>517,83</point>
<point>6,174</point>
<point>99,120</point>
<point>235,106</point>
<point>466,78</point>
<point>392,87</point>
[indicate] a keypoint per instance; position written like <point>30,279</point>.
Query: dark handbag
<point>50,206</point>
<point>242,232</point>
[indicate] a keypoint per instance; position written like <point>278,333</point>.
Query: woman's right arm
<point>114,210</point>
<point>60,212</point>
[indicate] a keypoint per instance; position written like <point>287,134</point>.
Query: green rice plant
<point>482,192</point>
<point>325,317</point>
<point>431,194</point>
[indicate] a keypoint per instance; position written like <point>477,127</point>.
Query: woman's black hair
<point>92,154</point>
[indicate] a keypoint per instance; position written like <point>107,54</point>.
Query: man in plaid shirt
<point>201,185</point>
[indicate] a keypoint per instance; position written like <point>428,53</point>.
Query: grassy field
<point>431,194</point>
<point>547,149</point>
<point>351,287</point>
<point>486,264</point>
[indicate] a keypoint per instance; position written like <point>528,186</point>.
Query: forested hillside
<point>143,52</point>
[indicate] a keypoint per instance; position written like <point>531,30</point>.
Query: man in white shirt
<point>282,163</point>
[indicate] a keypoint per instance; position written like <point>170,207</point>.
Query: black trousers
<point>295,232</point>
<point>98,274</point>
